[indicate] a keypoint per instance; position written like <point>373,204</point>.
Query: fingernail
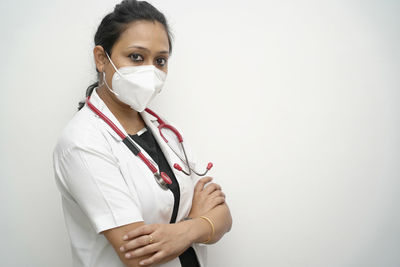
<point>121,248</point>
<point>127,255</point>
<point>141,263</point>
<point>125,237</point>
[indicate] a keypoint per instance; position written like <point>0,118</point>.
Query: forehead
<point>149,34</point>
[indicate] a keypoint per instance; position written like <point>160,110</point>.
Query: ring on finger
<point>151,239</point>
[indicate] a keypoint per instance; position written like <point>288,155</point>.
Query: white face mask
<point>136,86</point>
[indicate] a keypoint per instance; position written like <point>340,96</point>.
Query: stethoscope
<point>161,177</point>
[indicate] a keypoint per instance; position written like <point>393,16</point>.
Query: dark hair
<point>115,23</point>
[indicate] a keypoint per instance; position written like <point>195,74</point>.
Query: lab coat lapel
<point>98,102</point>
<point>100,105</point>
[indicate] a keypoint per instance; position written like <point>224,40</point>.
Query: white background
<point>295,102</point>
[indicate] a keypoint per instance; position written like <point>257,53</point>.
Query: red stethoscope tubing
<point>162,124</point>
<point>152,168</point>
<point>136,150</point>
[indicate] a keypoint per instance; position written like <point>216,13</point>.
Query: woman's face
<point>142,43</point>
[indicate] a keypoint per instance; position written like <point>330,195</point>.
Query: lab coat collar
<point>100,105</point>
<point>147,116</point>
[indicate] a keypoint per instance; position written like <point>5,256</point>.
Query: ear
<point>99,57</point>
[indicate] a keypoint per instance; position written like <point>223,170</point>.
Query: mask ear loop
<point>105,82</point>
<point>104,75</point>
<point>115,68</point>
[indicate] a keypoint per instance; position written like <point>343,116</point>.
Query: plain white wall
<point>296,103</point>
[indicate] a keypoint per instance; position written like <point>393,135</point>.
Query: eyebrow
<point>147,50</point>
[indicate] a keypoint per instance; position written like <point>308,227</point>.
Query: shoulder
<point>83,130</point>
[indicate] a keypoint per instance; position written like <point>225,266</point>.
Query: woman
<point>123,208</point>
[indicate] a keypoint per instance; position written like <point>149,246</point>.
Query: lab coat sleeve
<point>94,180</point>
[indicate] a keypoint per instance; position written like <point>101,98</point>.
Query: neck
<point>129,118</point>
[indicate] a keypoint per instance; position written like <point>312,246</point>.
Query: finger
<point>216,193</point>
<point>142,230</point>
<point>200,184</point>
<point>211,188</point>
<point>143,251</point>
<point>157,257</point>
<point>217,201</point>
<point>138,242</point>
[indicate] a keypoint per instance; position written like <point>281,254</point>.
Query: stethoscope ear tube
<point>186,162</point>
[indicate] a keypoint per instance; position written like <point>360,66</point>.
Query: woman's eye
<point>161,61</point>
<point>136,57</point>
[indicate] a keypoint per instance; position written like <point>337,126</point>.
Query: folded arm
<point>200,229</point>
<point>114,236</point>
<point>167,241</point>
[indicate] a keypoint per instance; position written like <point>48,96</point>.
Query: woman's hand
<point>162,242</point>
<point>205,198</point>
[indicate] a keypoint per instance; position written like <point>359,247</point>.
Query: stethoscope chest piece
<point>163,180</point>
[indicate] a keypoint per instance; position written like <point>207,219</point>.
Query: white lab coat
<point>103,186</point>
